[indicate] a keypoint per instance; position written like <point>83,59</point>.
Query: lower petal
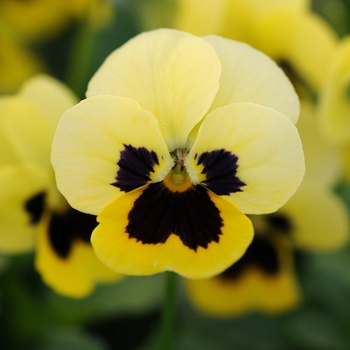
<point>144,256</point>
<point>250,291</point>
<point>74,275</point>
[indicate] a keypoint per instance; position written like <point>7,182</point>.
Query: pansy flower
<point>178,137</point>
<point>34,215</point>
<point>315,219</point>
<point>300,41</point>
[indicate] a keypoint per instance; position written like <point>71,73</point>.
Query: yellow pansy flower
<point>34,215</point>
<point>297,39</point>
<point>41,19</point>
<point>313,220</point>
<point>178,137</point>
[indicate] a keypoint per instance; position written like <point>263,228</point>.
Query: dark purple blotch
<point>160,212</point>
<point>220,168</point>
<point>135,166</point>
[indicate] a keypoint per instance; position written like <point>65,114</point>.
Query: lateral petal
<point>93,137</point>
<point>269,163</point>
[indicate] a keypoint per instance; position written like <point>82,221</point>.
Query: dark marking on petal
<point>160,212</point>
<point>195,156</point>
<point>220,168</point>
<point>279,222</point>
<point>64,228</point>
<point>261,253</point>
<point>135,166</point>
<point>35,206</point>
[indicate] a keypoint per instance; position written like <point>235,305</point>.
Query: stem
<point>80,58</point>
<point>168,317</point>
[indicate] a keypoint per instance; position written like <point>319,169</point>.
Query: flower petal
<point>269,156</point>
<point>319,219</point>
<point>93,137</point>
<point>170,73</point>
<point>156,250</point>
<point>323,161</point>
<point>48,94</point>
<point>253,290</point>
<point>250,76</point>
<point>18,222</point>
<point>75,275</point>
<point>334,106</point>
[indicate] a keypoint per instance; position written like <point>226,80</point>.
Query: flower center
<point>178,179</point>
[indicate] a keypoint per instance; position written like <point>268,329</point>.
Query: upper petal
<point>93,137</point>
<point>268,151</point>
<point>250,76</point>
<point>170,73</point>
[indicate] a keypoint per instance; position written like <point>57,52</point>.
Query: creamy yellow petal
<point>334,106</point>
<point>172,74</point>
<point>131,257</point>
<point>49,94</point>
<point>192,14</point>
<point>323,161</point>
<point>250,76</point>
<point>302,39</point>
<point>18,185</point>
<point>270,157</point>
<point>28,130</point>
<point>74,276</point>
<point>252,291</point>
<point>88,144</point>
<point>319,218</point>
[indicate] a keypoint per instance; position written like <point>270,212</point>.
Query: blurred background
<point>69,43</point>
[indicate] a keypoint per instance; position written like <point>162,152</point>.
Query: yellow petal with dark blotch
<point>105,146</point>
<point>75,275</point>
<point>172,74</point>
<point>252,290</point>
<point>18,223</point>
<point>171,230</point>
<point>261,161</point>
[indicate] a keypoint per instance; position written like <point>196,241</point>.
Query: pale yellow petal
<point>250,76</point>
<point>88,145</point>
<point>270,157</point>
<point>18,185</point>
<point>172,74</point>
<point>319,219</point>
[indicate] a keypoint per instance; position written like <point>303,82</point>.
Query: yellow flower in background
<point>17,63</point>
<point>298,40</point>
<point>334,102</point>
<point>34,215</point>
<point>42,19</point>
<point>313,220</point>
<point>178,137</point>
